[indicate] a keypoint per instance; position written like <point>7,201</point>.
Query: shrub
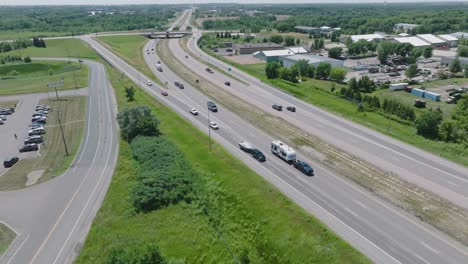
<point>130,254</point>
<point>137,121</point>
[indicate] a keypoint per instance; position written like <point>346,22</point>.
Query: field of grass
<point>33,77</point>
<point>6,237</point>
<point>184,235</point>
<point>130,49</point>
<point>8,104</point>
<point>318,93</point>
<point>58,48</point>
<point>11,35</point>
<point>52,159</point>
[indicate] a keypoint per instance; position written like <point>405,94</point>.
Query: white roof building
<point>448,37</point>
<point>403,34</point>
<point>460,35</point>
<point>431,39</point>
<point>298,50</point>
<point>270,53</point>
<point>415,41</point>
<point>368,37</point>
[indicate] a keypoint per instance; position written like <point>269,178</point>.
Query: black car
<point>33,140</point>
<point>227,83</point>
<point>10,162</point>
<point>29,147</point>
<point>212,106</point>
<point>304,167</point>
<point>291,108</point>
<point>258,155</point>
<point>277,107</point>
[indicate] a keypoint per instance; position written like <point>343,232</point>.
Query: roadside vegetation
<point>218,212</point>
<point>52,160</point>
<point>6,237</point>
<point>32,77</point>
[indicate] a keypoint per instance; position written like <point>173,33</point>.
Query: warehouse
<point>369,37</point>
<point>451,40</point>
<point>433,40</point>
<point>415,41</point>
<point>460,35</point>
<point>304,29</point>
<point>315,60</point>
<point>249,48</point>
<point>272,55</point>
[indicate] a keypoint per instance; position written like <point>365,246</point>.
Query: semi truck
<point>283,151</point>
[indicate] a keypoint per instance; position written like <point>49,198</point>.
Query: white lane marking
<point>350,211</point>
<point>451,183</point>
<point>9,226</point>
<point>361,204</point>
<point>16,252</point>
<point>419,257</point>
<point>395,158</point>
<point>431,249</point>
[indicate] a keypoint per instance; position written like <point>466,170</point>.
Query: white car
<point>214,126</point>
<point>193,111</point>
<point>150,83</point>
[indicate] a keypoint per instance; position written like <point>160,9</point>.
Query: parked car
<point>29,147</point>
<point>277,107</point>
<point>36,132</point>
<point>227,83</point>
<point>193,111</point>
<point>304,167</point>
<point>3,118</point>
<point>214,125</point>
<point>10,162</point>
<point>39,119</point>
<point>34,140</point>
<point>1,122</point>
<point>164,93</point>
<point>291,108</point>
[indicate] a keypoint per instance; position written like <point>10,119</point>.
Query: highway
<point>440,176</point>
<point>52,219</point>
<point>384,233</point>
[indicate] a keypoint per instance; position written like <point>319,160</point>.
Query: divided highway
<point>51,219</point>
<point>385,234</point>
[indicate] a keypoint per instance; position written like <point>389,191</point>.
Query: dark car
<point>212,106</point>
<point>291,108</point>
<point>304,167</point>
<point>227,83</point>
<point>29,147</point>
<point>209,70</point>
<point>34,140</point>
<point>277,107</point>
<point>394,74</point>
<point>9,163</point>
<point>258,155</point>
<point>164,93</point>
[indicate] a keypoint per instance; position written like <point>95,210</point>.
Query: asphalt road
<point>384,233</point>
<point>53,218</point>
<point>440,176</point>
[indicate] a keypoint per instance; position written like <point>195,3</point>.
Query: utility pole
<point>60,123</point>
<point>209,129</point>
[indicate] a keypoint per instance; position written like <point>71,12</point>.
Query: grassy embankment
<point>184,234</point>
<point>16,78</point>
<point>130,49</point>
<point>8,104</point>
<point>6,237</point>
<point>317,92</point>
<point>13,35</point>
<point>52,159</point>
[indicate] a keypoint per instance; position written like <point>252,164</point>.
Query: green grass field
<point>186,236</point>
<point>58,48</point>
<point>130,49</point>
<point>318,93</point>
<point>6,237</point>
<point>8,104</point>
<point>12,35</point>
<point>33,77</point>
<point>52,159</point>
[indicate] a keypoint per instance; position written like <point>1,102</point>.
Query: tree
<point>323,70</point>
<point>302,67</point>
<point>271,70</point>
<point>365,84</point>
<point>338,74</point>
<point>447,131</point>
<point>137,121</point>
<point>462,51</point>
<point>27,59</point>
<point>427,124</point>
<point>353,85</point>
<point>289,41</point>
<point>455,66</point>
<point>298,41</point>
<point>130,93</point>
<point>466,71</point>
<point>310,71</point>
<point>427,52</point>
<point>287,74</point>
<point>335,53</point>
<point>411,71</point>
<point>384,50</point>
<point>278,39</point>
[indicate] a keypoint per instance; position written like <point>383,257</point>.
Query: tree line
<point>302,69</point>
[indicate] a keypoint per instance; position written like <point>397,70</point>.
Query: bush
<point>27,59</point>
<point>130,254</point>
<point>137,121</point>
<point>427,125</point>
<point>164,178</point>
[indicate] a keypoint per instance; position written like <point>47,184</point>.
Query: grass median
<point>18,78</point>
<point>52,160</point>
<point>6,237</point>
<point>186,235</point>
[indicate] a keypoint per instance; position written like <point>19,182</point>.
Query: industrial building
<point>304,29</point>
<point>315,60</point>
<point>369,37</point>
<point>404,27</point>
<point>273,55</point>
<point>249,48</point>
<point>451,40</point>
<point>433,40</point>
<point>460,35</point>
<point>415,41</point>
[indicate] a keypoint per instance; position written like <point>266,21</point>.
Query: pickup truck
<point>256,154</point>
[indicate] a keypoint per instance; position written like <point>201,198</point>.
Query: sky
<point>126,2</point>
